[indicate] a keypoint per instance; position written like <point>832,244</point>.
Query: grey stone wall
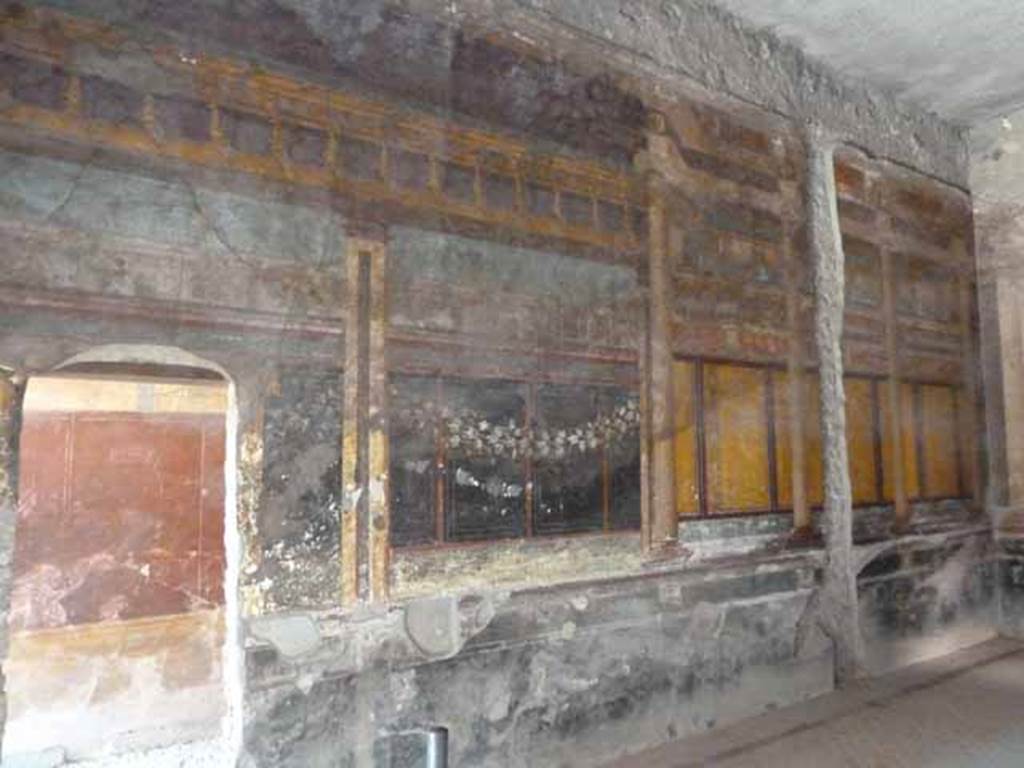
<point>570,674</point>
<point>1010,575</point>
<point>575,674</point>
<point>926,601</point>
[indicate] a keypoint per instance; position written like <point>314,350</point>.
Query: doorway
<point>117,617</point>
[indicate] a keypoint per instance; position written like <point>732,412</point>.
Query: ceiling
<point>963,59</point>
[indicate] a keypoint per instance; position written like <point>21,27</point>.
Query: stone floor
<point>966,709</point>
<point>197,754</point>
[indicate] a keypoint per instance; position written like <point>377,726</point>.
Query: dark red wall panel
<point>122,516</point>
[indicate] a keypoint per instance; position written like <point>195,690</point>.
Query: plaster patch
<point>291,635</point>
<point>441,626</point>
<point>433,625</point>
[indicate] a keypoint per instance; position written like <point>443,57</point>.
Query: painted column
<point>12,391</point>
<point>365,526</point>
<point>657,381</point>
<point>894,413</point>
<point>839,599</point>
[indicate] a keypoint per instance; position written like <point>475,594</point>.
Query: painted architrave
<point>214,86</point>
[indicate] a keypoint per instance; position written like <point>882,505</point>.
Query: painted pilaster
<point>365,530</point>
<point>893,415</point>
<point>664,521</point>
<point>12,391</point>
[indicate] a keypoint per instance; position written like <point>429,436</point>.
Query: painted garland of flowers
<point>470,433</point>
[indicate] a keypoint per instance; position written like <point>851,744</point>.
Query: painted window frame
<point>442,530</point>
<point>771,392</point>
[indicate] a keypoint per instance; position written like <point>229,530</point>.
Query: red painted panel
<point>121,517</point>
<point>44,445</point>
<point>134,484</point>
<point>211,578</point>
<point>212,506</point>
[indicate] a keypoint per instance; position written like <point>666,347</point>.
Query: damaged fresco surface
<point>518,333</point>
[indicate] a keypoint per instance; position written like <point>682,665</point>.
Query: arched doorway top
<point>143,354</point>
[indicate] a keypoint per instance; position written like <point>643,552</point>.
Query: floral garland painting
<point>470,433</point>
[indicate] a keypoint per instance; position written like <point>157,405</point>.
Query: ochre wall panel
<point>811,412</point>
<point>814,464</point>
<point>887,445</point>
<point>686,436</point>
<point>63,394</point>
<point>736,433</point>
<point>909,449</point>
<point>963,424</point>
<point>920,233</point>
<point>783,449</point>
<point>860,439</point>
<point>938,421</point>
<point>911,475</point>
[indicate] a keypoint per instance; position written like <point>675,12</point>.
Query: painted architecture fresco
<point>495,319</point>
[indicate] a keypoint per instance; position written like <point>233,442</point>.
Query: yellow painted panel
<point>94,394</point>
<point>687,489</point>
<point>963,425</point>
<point>885,422</point>
<point>909,450</point>
<point>911,479</point>
<point>133,637</point>
<point>814,466</point>
<point>736,434</point>
<point>783,447</point>
<point>184,398</point>
<point>860,439</point>
<point>810,404</point>
<point>939,437</point>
